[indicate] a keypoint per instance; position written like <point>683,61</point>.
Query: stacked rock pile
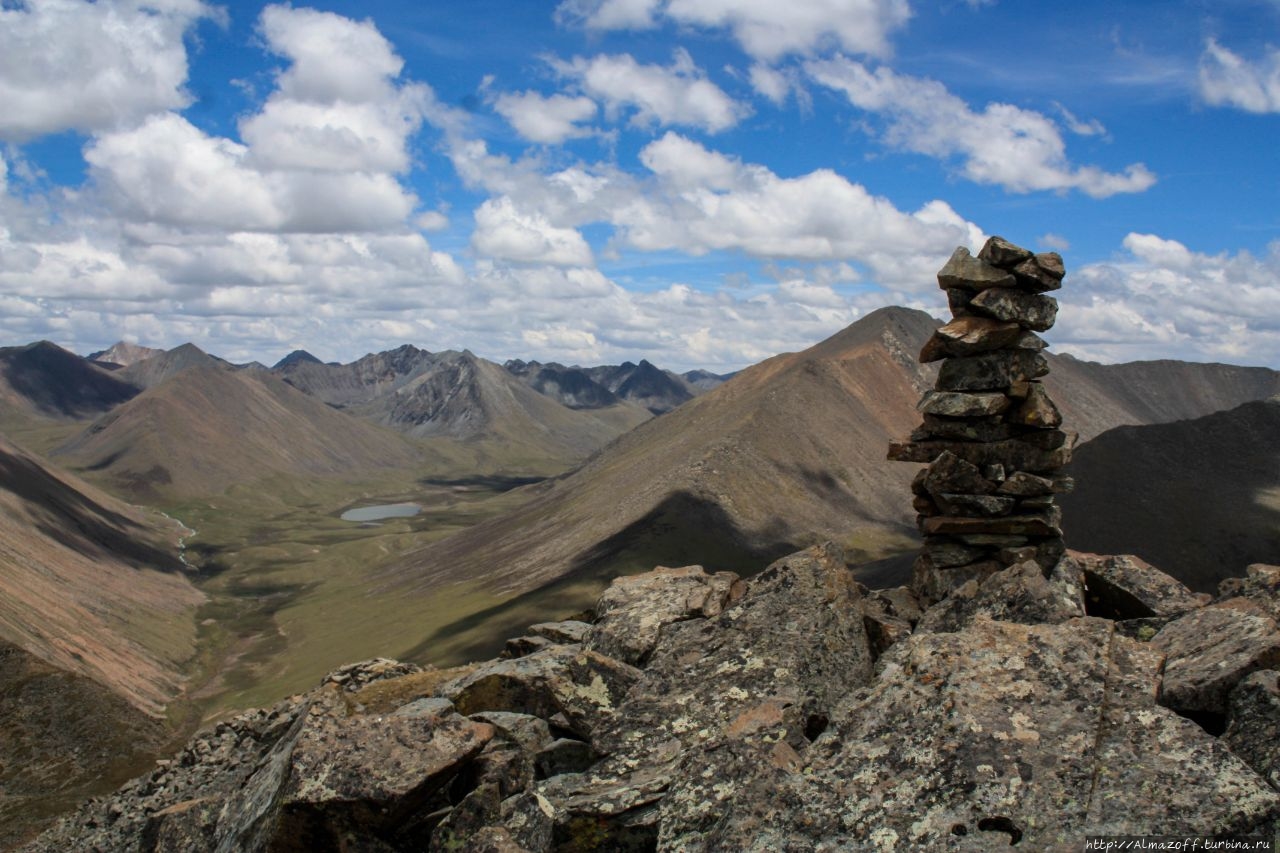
<point>991,436</point>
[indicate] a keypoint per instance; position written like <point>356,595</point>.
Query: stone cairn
<point>991,436</point>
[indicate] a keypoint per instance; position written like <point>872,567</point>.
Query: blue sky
<point>703,183</point>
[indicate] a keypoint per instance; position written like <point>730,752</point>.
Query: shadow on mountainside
<point>1198,499</point>
<point>684,529</point>
<point>70,517</point>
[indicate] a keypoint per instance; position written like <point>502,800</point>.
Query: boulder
<point>1211,649</point>
<point>969,336</point>
<point>1253,723</point>
<point>990,371</point>
<point>962,271</point>
<point>999,252</point>
<point>583,685</point>
<point>1127,587</point>
<point>380,773</point>
<point>773,664</point>
<point>1035,735</point>
<point>1261,585</point>
<point>566,632</point>
<point>634,609</point>
<point>1019,593</point>
<point>1029,310</point>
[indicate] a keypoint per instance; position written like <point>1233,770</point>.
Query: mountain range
<point>1176,464</point>
<point>790,452</point>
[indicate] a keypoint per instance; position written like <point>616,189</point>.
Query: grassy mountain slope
<point>790,450</point>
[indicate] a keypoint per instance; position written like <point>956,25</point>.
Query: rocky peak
<point>794,710</point>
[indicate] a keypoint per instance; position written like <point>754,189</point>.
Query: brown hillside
<point>90,584</point>
<point>44,380</point>
<point>206,429</point>
<point>789,451</point>
<point>150,371</point>
<point>1097,397</point>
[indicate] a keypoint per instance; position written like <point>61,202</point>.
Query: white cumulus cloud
<point>546,119</point>
<point>321,155</point>
<point>504,231</point>
<point>677,94</point>
<point>1161,298</point>
<point>1018,149</point>
<point>90,66</point>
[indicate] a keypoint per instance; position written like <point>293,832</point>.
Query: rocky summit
<point>795,710</point>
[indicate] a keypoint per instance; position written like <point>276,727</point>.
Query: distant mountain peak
<point>298,356</point>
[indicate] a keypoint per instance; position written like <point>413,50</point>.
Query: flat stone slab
<point>1211,649</point>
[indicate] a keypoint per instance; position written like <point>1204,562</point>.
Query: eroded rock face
<point>1253,729</point>
<point>1040,734</point>
<point>634,609</point>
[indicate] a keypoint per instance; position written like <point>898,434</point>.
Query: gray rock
<point>935,428</point>
<point>965,272</point>
<point>1261,585</point>
<point>931,583</point>
<point>1014,453</point>
<point>566,632</point>
<point>1037,734</point>
<point>1127,587</point>
<point>950,473</point>
<point>531,733</point>
<point>1019,593</point>
<point>518,647</point>
<point>354,676</point>
<point>1041,273</point>
<point>990,371</point>
<point>1029,310</point>
<point>975,505</point>
<point>634,609</point>
<point>954,404</point>
<point>1253,723</point>
<point>564,755</point>
<point>1022,484</point>
<point>999,252</point>
<point>1211,649</point>
<point>583,685</point>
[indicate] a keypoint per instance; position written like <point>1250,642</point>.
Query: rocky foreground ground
<point>795,710</point>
